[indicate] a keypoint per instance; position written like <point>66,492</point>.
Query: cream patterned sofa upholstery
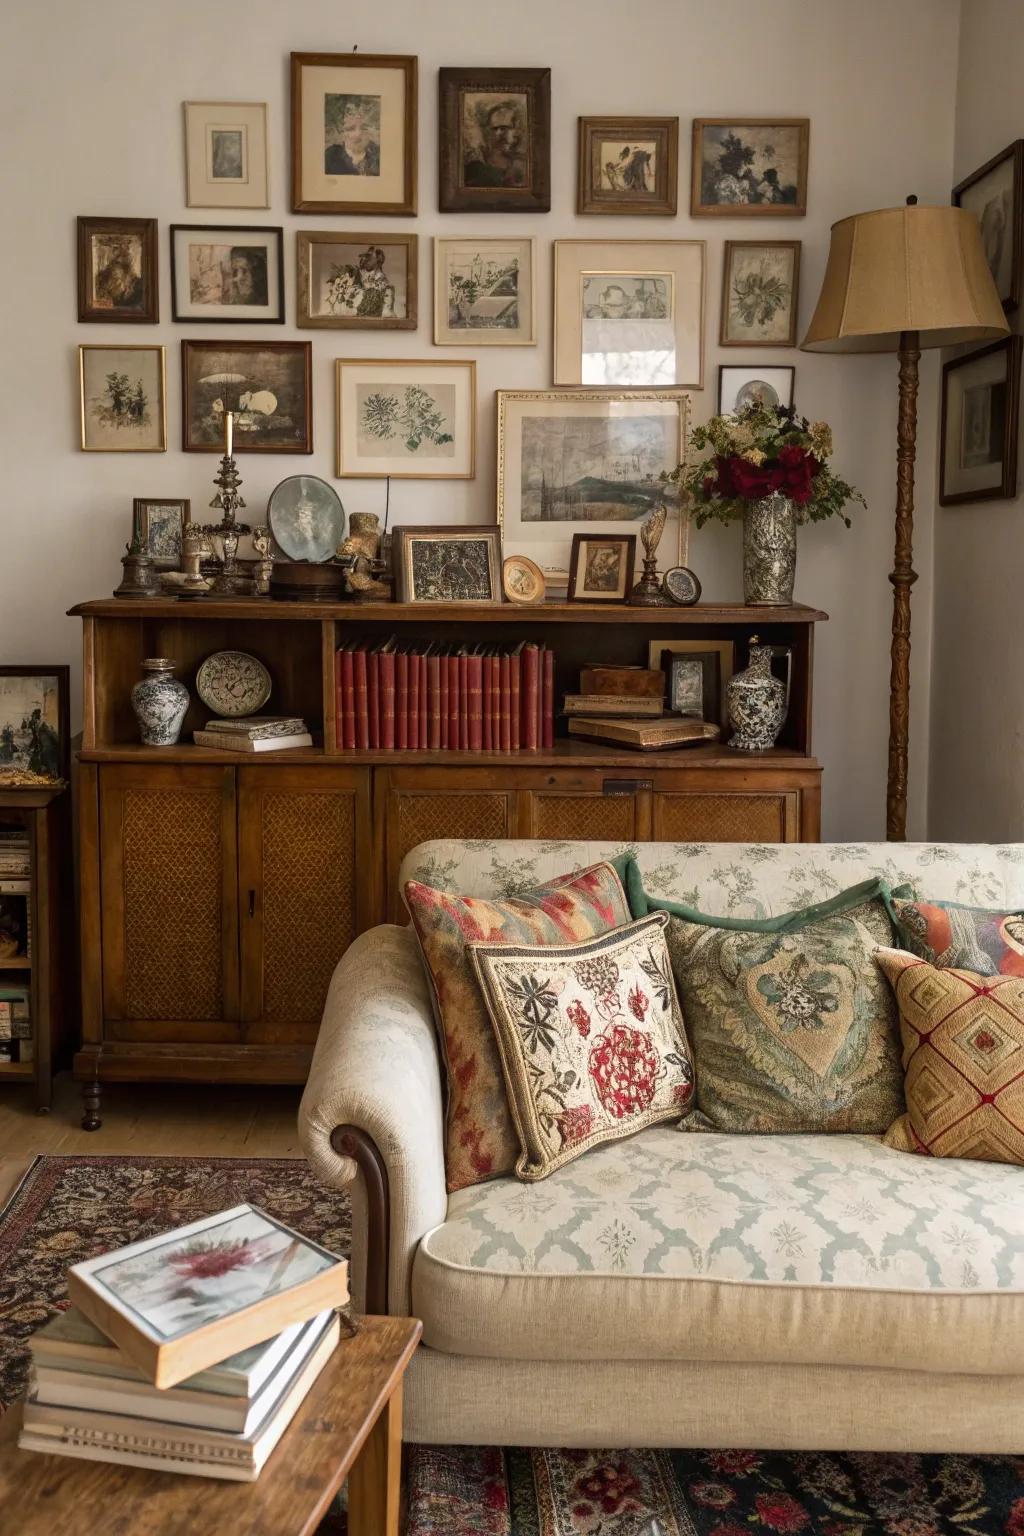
<point>703,1290</point>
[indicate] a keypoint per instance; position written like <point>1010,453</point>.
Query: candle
<point>228,423</point>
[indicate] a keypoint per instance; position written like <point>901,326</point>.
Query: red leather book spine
<point>463,702</point>
<point>373,698</point>
<point>347,705</point>
<point>402,701</point>
<point>486,722</point>
<point>454,703</point>
<point>421,666</point>
<point>494,663</point>
<point>548,720</point>
<point>359,659</point>
<point>531,697</point>
<point>387,702</point>
<point>414,703</point>
<point>434,697</point>
<point>515,723</point>
<point>504,692</point>
<point>443,670</point>
<point>474,669</point>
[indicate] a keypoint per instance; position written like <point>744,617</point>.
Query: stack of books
<point>16,1043</point>
<point>254,733</point>
<point>625,706</point>
<point>190,1352</point>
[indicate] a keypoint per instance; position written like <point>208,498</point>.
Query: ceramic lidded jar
<point>756,702</point>
<point>160,702</point>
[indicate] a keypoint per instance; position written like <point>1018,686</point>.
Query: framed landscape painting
<point>226,154</point>
<point>267,384</point>
<point>228,273</point>
<point>118,271</point>
<point>495,140</point>
<point>408,419</point>
<point>628,165</point>
<point>356,281</point>
<point>760,292</point>
<point>123,398</point>
<point>995,195</point>
<point>980,411</point>
<point>484,293</point>
<point>354,133</point>
<point>750,166</point>
<point>35,736</point>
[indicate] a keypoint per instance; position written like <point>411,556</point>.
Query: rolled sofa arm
<point>373,1106</point>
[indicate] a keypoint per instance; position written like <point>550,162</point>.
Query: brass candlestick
<point>648,591</point>
<point>229,582</point>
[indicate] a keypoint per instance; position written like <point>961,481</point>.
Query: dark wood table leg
<point>91,1105</point>
<point>375,1481</point>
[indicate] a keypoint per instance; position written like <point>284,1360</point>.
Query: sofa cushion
<point>969,938</point>
<point>798,1249</point>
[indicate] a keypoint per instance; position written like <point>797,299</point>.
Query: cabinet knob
<point>626,786</point>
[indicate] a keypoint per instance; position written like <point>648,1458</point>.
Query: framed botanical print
<point>994,193</point>
<point>601,567</point>
<point>760,292</point>
<point>354,133</point>
<point>409,419</point>
<point>743,384</point>
<point>268,385</point>
<point>123,398</point>
<point>158,523</point>
<point>495,140</point>
<point>628,165</point>
<point>118,278</point>
<point>978,437</point>
<point>448,564</point>
<point>484,293</point>
<point>228,273</point>
<point>356,282</point>
<point>750,167</point>
<point>35,731</point>
<point>629,313</point>
<point>226,154</point>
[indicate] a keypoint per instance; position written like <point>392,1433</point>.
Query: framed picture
<point>409,419</point>
<point>118,280</point>
<point>628,165</point>
<point>760,292</point>
<point>227,273</point>
<point>978,438</point>
<point>35,735</point>
<point>123,398</point>
<point>354,133</point>
<point>495,140</point>
<point>356,282</point>
<point>710,666</point>
<point>158,523</point>
<point>601,568</point>
<point>629,313</point>
<point>750,166</point>
<point>267,384</point>
<point>226,154</point>
<point>583,461</point>
<point>740,385</point>
<point>448,564</point>
<point>995,195</point>
<point>484,293</point>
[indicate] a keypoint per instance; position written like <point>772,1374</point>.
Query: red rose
<point>797,469</point>
<point>781,1511</point>
<point>751,481</point>
<point>1015,1519</point>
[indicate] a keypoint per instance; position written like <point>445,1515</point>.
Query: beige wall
<point>90,108</point>
<point>977,734</point>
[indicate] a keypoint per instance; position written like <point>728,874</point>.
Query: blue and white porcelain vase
<point>756,702</point>
<point>160,702</point>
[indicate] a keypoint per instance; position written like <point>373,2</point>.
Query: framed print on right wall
<point>978,438</point>
<point>760,292</point>
<point>995,194</point>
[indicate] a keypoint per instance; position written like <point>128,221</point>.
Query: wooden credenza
<point>218,891</point>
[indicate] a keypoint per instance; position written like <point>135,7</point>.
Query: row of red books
<point>401,696</point>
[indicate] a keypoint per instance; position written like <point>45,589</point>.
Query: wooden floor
<point>183,1121</point>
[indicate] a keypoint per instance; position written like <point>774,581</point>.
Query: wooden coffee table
<point>350,1425</point>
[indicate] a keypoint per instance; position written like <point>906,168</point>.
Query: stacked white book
<point>254,733</point>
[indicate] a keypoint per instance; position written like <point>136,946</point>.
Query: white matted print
<point>484,292</point>
<point>409,419</point>
<point>744,384</point>
<point>123,399</point>
<point>226,154</point>
<point>353,133</point>
<point>222,272</point>
<point>980,410</point>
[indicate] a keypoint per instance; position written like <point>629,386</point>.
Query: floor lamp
<point>898,280</point>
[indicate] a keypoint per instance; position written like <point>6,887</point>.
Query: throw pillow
<point>967,938</point>
<point>963,1053</point>
<point>480,1138</point>
<point>591,1040</point>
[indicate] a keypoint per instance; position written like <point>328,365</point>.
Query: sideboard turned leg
<point>91,1105</point>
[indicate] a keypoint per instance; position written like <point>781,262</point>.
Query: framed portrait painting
<point>118,277</point>
<point>601,567</point>
<point>484,293</point>
<point>495,140</point>
<point>995,195</point>
<point>158,523</point>
<point>978,437</point>
<point>743,384</point>
<point>268,385</point>
<point>228,273</point>
<point>448,564</point>
<point>628,165</point>
<point>750,167</point>
<point>407,419</point>
<point>354,133</point>
<point>760,293</point>
<point>226,154</point>
<point>356,282</point>
<point>35,733</point>
<point>123,398</point>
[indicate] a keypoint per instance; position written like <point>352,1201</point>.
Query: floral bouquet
<point>761,449</point>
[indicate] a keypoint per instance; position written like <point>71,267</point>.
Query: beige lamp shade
<point>905,269</point>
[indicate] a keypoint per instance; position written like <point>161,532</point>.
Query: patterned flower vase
<point>769,551</point>
<point>160,702</point>
<point>756,702</point>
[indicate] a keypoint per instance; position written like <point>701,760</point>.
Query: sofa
<point>780,1292</point>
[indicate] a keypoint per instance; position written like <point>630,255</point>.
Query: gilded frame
<point>114,346</point>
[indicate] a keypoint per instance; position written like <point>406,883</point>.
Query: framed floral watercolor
<point>354,133</point>
<point>484,293</point>
<point>227,273</point>
<point>601,567</point>
<point>994,193</point>
<point>741,384</point>
<point>268,385</point>
<point>122,398</point>
<point>226,154</point>
<point>406,418</point>
<point>118,271</point>
<point>358,282</point>
<point>628,165</point>
<point>495,140</point>
<point>750,167</point>
<point>158,523</point>
<point>760,293</point>
<point>980,416</point>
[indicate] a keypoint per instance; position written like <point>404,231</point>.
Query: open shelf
<point>240,609</point>
<point>18,963</point>
<point>17,1068</point>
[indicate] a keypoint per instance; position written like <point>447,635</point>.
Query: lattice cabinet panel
<point>440,809</point>
<point>725,818</point>
<point>593,817</point>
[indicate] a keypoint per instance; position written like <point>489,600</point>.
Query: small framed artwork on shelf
<point>226,154</point>
<point>495,140</point>
<point>601,568</point>
<point>484,292</point>
<point>354,120</point>
<point>35,735</point>
<point>980,411</point>
<point>743,384</point>
<point>118,271</point>
<point>750,167</point>
<point>760,292</point>
<point>122,398</point>
<point>994,193</point>
<point>697,672</point>
<point>406,418</point>
<point>267,385</point>
<point>158,523</point>
<point>448,564</point>
<point>357,282</point>
<point>227,273</point>
<point>628,165</point>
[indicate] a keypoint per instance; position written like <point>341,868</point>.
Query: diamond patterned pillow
<point>967,938</point>
<point>963,1055</point>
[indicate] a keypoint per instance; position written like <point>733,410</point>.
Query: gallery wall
<point>91,105</point>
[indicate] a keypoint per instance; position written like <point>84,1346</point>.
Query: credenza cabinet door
<point>421,804</point>
<point>767,808</point>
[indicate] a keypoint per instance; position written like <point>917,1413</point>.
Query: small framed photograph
<point>354,133</point>
<point>226,154</point>
<point>406,418</point>
<point>601,568</point>
<point>448,564</point>
<point>356,282</point>
<point>628,165</point>
<point>118,277</point>
<point>35,735</point>
<point>750,167</point>
<point>158,523</point>
<point>995,195</point>
<point>978,438</point>
<point>267,384</point>
<point>123,398</point>
<point>227,273</point>
<point>708,667</point>
<point>740,385</point>
<point>484,293</point>
<point>760,292</point>
<point>495,140</point>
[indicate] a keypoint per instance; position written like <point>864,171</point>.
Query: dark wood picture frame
<point>628,542</point>
<point>663,201</point>
<point>797,210</point>
<point>62,672</point>
<point>226,319</point>
<point>305,239</point>
<point>140,523</point>
<point>790,368</point>
<point>296,348</point>
<point>454,196</point>
<point>449,533</point>
<point>408,64</point>
<point>148,310</point>
<point>710,663</point>
<point>1006,490</point>
<point>746,341</point>
<point>1014,152</point>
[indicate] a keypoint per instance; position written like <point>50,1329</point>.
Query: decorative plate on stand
<point>306,518</point>
<point>233,683</point>
<point>522,580</point>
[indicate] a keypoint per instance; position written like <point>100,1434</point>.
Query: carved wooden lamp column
<point>898,280</point>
